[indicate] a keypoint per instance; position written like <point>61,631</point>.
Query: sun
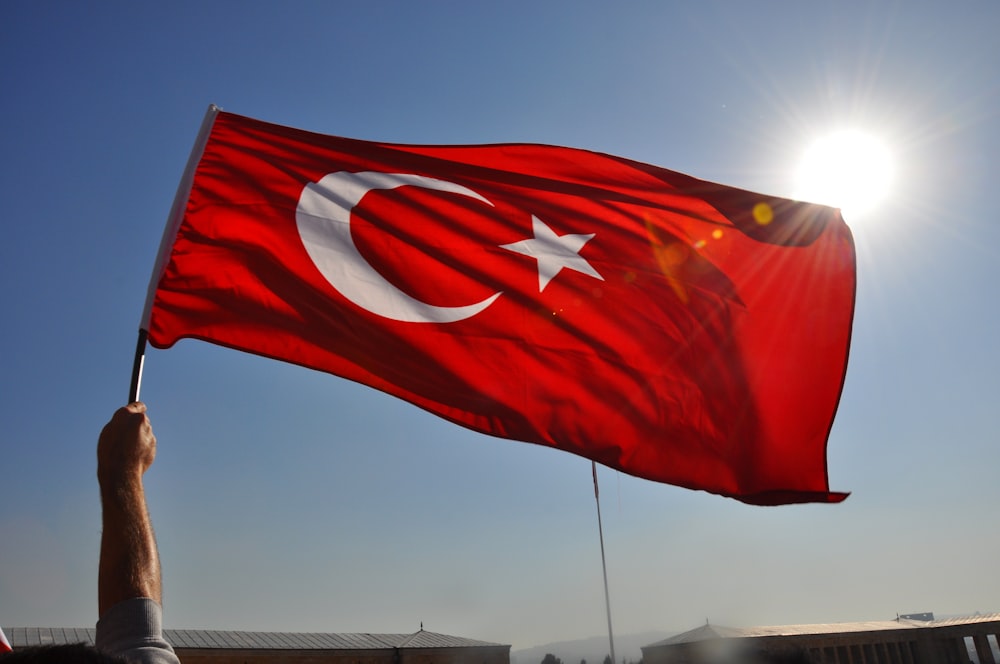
<point>849,169</point>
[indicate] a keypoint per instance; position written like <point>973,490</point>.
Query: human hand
<point>126,447</point>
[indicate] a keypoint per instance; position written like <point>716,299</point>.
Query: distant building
<point>199,646</point>
<point>902,641</point>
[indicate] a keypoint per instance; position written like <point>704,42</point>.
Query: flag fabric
<point>674,329</point>
<point>4,643</point>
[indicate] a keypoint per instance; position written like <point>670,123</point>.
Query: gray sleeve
<point>133,629</point>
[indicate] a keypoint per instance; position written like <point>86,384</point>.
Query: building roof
<point>235,640</point>
<point>704,633</point>
<point>20,637</point>
<point>708,632</point>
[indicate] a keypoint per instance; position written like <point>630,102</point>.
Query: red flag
<point>4,643</point>
<point>671,328</point>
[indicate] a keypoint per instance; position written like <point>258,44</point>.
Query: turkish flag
<point>674,329</point>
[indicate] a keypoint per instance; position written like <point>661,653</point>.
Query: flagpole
<point>604,565</point>
<point>177,211</point>
<point>167,242</point>
<point>137,364</point>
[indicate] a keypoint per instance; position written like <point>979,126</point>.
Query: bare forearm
<point>129,565</point>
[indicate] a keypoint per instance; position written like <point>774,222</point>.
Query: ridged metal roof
<point>706,632</point>
<point>966,620</point>
<point>235,640</point>
<point>48,636</point>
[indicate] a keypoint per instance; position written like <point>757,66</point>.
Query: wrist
<point>118,485</point>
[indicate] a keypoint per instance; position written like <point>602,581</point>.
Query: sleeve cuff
<point>131,625</point>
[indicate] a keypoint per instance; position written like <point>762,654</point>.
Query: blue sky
<point>286,499</point>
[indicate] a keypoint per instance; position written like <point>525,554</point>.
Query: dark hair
<point>76,653</point>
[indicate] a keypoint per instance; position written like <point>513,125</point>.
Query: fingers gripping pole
<point>140,357</point>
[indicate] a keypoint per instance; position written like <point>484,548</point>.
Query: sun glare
<point>850,170</point>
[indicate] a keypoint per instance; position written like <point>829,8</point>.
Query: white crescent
<point>323,217</point>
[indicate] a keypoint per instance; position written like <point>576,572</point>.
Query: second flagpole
<point>604,565</point>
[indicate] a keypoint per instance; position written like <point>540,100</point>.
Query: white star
<point>553,252</point>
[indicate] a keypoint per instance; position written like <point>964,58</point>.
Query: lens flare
<point>763,214</point>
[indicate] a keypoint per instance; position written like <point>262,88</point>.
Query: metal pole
<point>604,565</point>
